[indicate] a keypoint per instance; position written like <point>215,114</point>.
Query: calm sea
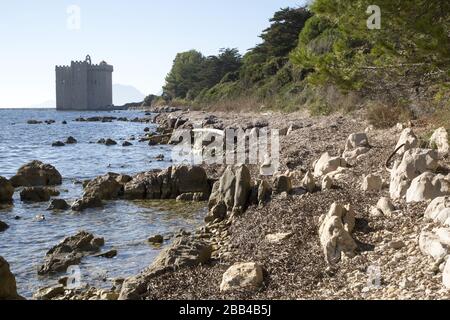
<point>125,225</point>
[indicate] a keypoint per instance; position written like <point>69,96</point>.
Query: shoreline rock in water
<point>36,173</point>
<point>58,204</point>
<point>6,190</point>
<point>8,288</point>
<point>3,226</point>
<point>35,194</point>
<point>70,252</point>
<point>184,252</point>
<point>181,182</point>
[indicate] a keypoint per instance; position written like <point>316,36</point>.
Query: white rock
<point>278,237</point>
<point>308,182</point>
<point>375,212</point>
<point>339,174</point>
<point>327,164</point>
<point>427,186</point>
<point>414,163</point>
<point>439,210</point>
<point>385,205</point>
<point>327,183</point>
<point>446,275</point>
<point>444,236</point>
<point>372,182</point>
<point>369,128</point>
<point>357,140</point>
<point>440,140</point>
<point>335,233</point>
<point>355,154</point>
<point>430,244</point>
<point>248,276</point>
<point>409,139</point>
<point>356,145</point>
<point>400,126</point>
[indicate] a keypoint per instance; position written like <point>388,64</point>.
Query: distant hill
<point>123,94</point>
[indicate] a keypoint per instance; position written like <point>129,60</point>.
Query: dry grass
<point>239,104</point>
<point>384,116</point>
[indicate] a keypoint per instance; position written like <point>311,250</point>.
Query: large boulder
<point>335,233</point>
<point>8,288</point>
<point>357,140</point>
<point>6,190</point>
<point>439,139</point>
<point>439,210</point>
<point>428,186</point>
<point>232,191</point>
<point>70,252</point>
<point>372,182</point>
<point>385,206</point>
<point>408,140</point>
<point>242,277</point>
<point>137,188</point>
<point>35,194</point>
<point>36,173</point>
<point>282,183</point>
<point>184,252</point>
<point>414,163</point>
<point>356,145</point>
<point>86,203</point>
<point>104,187</point>
<point>186,179</point>
<point>435,244</point>
<point>168,184</point>
<point>327,164</point>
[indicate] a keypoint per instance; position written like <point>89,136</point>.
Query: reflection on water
<point>125,225</point>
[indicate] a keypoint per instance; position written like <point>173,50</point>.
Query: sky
<point>139,38</point>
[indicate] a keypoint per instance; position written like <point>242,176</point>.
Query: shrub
<point>381,115</point>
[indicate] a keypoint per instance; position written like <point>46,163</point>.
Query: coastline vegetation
<point>324,58</point>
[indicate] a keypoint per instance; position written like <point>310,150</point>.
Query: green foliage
<point>183,80</point>
<point>330,45</point>
<point>263,72</point>
<point>282,35</point>
<point>148,101</point>
<point>411,48</point>
<point>192,72</point>
<point>279,40</point>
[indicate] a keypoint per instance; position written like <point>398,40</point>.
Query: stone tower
<point>84,86</point>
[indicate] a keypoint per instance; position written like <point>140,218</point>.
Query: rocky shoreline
<point>334,223</point>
